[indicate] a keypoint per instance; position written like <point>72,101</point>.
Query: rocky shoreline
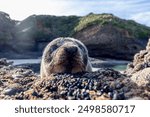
<point>21,83</point>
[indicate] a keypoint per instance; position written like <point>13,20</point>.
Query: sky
<point>138,10</point>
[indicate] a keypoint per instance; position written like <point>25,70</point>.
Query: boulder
<point>139,69</point>
<point>5,62</point>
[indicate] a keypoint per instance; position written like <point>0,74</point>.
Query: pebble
<point>27,73</point>
<point>17,76</point>
<point>12,91</point>
<point>1,83</point>
<point>119,86</point>
<point>78,86</point>
<point>110,94</point>
<point>115,96</point>
<point>4,62</point>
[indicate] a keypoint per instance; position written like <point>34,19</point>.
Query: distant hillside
<point>105,35</point>
<point>134,29</point>
<point>46,27</point>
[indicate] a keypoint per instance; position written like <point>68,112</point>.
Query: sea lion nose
<point>71,50</point>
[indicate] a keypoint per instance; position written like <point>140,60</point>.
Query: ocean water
<point>25,61</point>
<point>119,67</point>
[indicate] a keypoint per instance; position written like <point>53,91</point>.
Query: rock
<point>5,62</point>
<point>139,69</point>
<point>136,98</point>
<point>14,81</point>
<point>17,76</point>
<point>21,73</point>
<point>140,62</point>
<point>1,83</point>
<point>142,77</point>
<point>34,66</point>
<point>27,73</point>
<point>12,89</point>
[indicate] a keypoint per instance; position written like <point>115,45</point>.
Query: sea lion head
<point>65,55</point>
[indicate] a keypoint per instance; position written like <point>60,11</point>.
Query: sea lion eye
<point>53,48</point>
<point>82,48</point>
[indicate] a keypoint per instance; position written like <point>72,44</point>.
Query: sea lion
<point>65,55</point>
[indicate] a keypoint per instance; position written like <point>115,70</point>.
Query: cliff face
<point>109,41</point>
<point>105,35</point>
<point>108,36</point>
<point>6,31</point>
<point>35,32</point>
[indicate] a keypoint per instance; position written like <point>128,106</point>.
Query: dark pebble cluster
<point>101,85</point>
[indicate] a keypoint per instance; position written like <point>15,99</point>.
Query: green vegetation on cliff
<point>56,26</point>
<point>134,29</point>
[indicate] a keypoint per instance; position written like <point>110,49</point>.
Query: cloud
<point>20,9</point>
<point>143,18</point>
<point>138,10</point>
<point>128,9</point>
<point>116,6</point>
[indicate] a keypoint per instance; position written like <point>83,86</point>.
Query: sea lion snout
<point>71,50</point>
